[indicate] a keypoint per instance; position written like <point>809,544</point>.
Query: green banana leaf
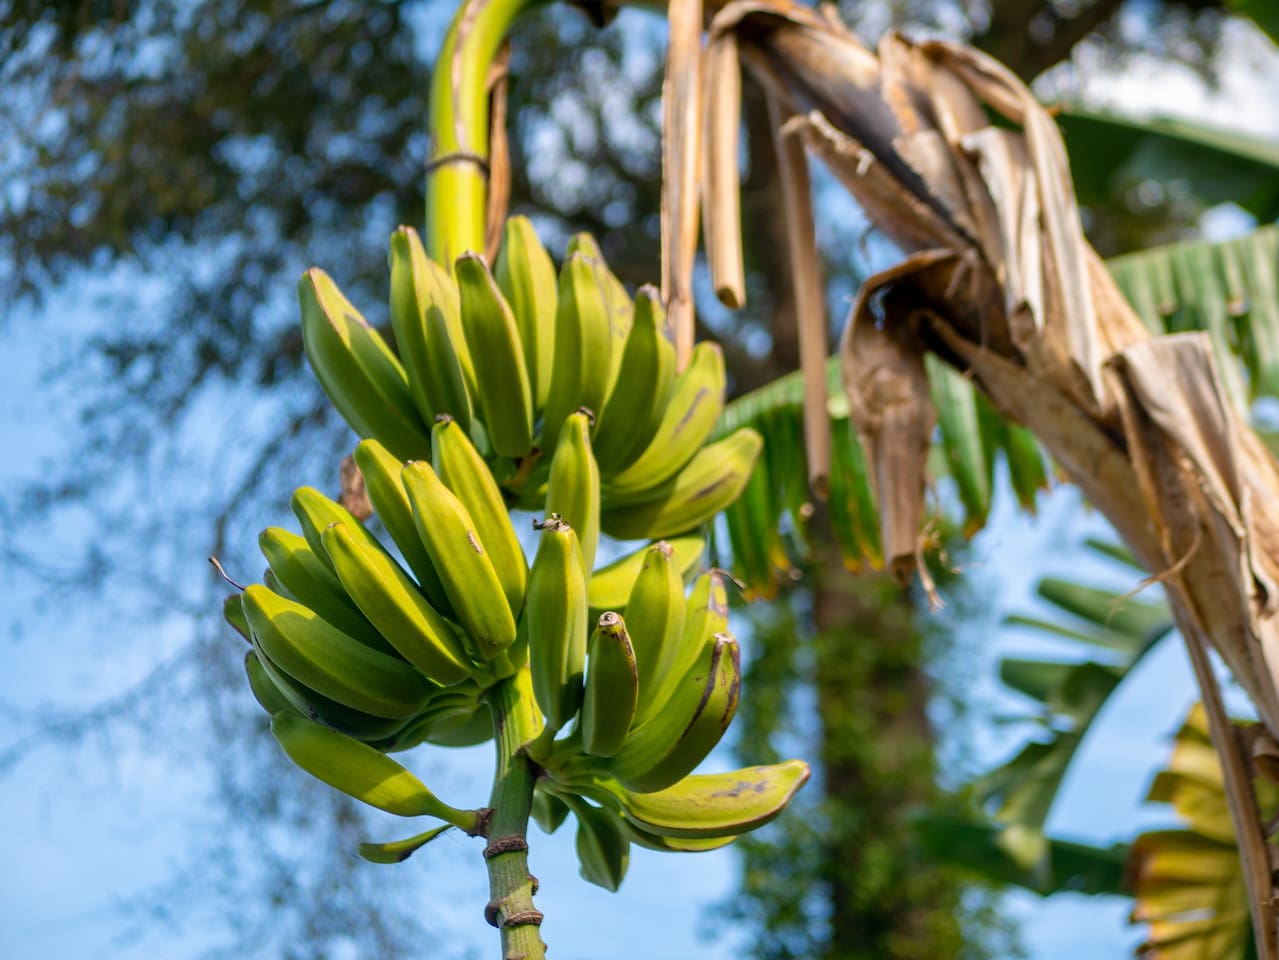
<point>1067,697</point>
<point>1068,867</point>
<point>1230,289</point>
<point>1188,883</point>
<point>1215,165</point>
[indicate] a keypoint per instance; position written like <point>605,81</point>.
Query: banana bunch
<point>648,695</point>
<point>521,358</point>
<point>557,393</point>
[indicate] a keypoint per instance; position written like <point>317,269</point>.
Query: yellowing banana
<point>393,604</point>
<point>526,277</point>
<point>705,614</point>
<point>427,321</point>
<point>583,347</point>
<point>654,618</point>
<point>610,586</point>
<point>449,534</point>
<point>357,369</point>
<point>711,481</point>
<point>555,620</point>
<point>361,772</point>
<point>612,688</point>
<point>381,472</point>
<point>504,397</point>
<point>327,660</point>
<point>715,804</point>
<point>637,400</point>
<point>573,489</point>
<point>697,399</point>
<point>617,303</point>
<point>463,470</point>
<point>667,746</point>
<point>309,580</point>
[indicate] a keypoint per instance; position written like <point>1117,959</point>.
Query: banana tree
<point>998,290</point>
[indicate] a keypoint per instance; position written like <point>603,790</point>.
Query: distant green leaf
<point>1264,13</point>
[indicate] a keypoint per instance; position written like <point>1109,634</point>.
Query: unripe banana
<point>526,277</point>
<point>464,471</point>
<point>463,729</point>
<point>713,479</point>
<point>603,850</point>
<point>393,604</point>
<point>712,805</point>
<point>670,744</point>
<point>638,399</point>
<point>573,489</point>
<point>705,614</point>
<point>503,394</point>
<point>612,688</point>
<point>360,771</point>
<point>330,662</point>
<point>654,841</point>
<point>617,301</point>
<point>357,369</point>
<point>446,529</point>
<point>233,614</point>
<point>697,399</point>
<point>381,472</point>
<point>583,347</point>
<point>315,706</point>
<point>427,321</point>
<point>265,692</point>
<point>555,619</point>
<point>654,619</point>
<point>309,580</point>
<point>549,809</point>
<point>610,586</point>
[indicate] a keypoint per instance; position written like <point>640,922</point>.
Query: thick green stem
<point>457,168</point>
<point>516,721</point>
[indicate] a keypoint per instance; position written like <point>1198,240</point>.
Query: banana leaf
<point>1188,882</point>
<point>1230,289</point>
<point>1068,696</point>
<point>1109,152</point>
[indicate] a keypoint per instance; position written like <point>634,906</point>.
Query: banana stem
<point>457,168</point>
<point>516,721</point>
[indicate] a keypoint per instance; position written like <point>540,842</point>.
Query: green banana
<point>526,277</point>
<point>357,369</point>
<point>583,347</point>
<point>705,614</point>
<point>666,747</point>
<point>696,401</point>
<point>573,489</point>
<point>610,586</point>
<point>555,618</point>
<point>654,841</point>
<point>445,527</point>
<point>335,665</point>
<point>638,399</point>
<point>381,472</point>
<point>711,805</point>
<point>233,614</point>
<point>463,470</point>
<point>612,688</point>
<point>617,301</point>
<point>361,772</point>
<point>503,394</point>
<point>393,603</point>
<point>712,480</point>
<point>427,321</point>
<point>264,690</point>
<point>397,851</point>
<point>463,729</point>
<point>315,706</point>
<point>603,850</point>
<point>309,580</point>
<point>654,619</point>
